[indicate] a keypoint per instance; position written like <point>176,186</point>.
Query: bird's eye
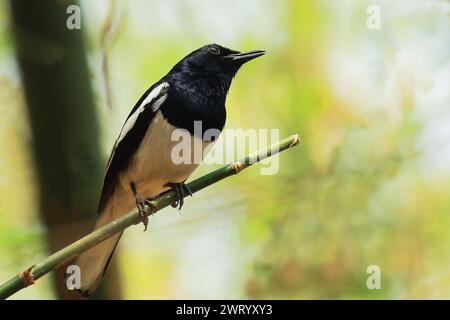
<point>213,50</point>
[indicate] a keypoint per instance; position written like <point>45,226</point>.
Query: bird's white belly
<point>152,165</point>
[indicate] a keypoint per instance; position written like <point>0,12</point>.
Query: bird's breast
<point>162,157</point>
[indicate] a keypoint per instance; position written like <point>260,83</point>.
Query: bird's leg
<point>181,189</point>
<point>142,205</point>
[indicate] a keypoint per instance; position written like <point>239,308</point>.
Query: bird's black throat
<point>196,97</point>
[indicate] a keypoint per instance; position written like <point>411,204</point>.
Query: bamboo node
<point>237,166</point>
<point>295,141</point>
<point>27,277</point>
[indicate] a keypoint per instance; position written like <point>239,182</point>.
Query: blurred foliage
<point>368,186</point>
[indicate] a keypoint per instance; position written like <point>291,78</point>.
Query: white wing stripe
<point>158,103</point>
<point>150,97</point>
<point>132,119</point>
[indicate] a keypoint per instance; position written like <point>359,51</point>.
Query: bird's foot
<point>145,208</point>
<point>181,190</point>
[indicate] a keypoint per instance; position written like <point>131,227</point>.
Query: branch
<point>30,275</point>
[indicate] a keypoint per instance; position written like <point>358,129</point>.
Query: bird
<point>141,165</point>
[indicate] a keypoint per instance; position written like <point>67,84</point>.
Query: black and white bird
<point>140,166</point>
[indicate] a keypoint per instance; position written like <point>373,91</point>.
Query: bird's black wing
<point>131,135</point>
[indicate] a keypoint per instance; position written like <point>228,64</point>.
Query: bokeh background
<point>369,185</point>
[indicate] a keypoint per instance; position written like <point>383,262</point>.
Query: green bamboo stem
<point>31,274</point>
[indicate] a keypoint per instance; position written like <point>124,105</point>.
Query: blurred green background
<point>369,185</point>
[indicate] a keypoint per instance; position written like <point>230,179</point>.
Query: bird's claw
<point>145,207</point>
<point>181,190</point>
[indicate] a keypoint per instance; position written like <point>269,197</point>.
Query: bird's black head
<point>213,60</point>
<point>199,85</point>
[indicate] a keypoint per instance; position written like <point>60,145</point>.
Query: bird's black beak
<point>243,57</point>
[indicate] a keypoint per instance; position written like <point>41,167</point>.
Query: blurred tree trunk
<point>64,123</point>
